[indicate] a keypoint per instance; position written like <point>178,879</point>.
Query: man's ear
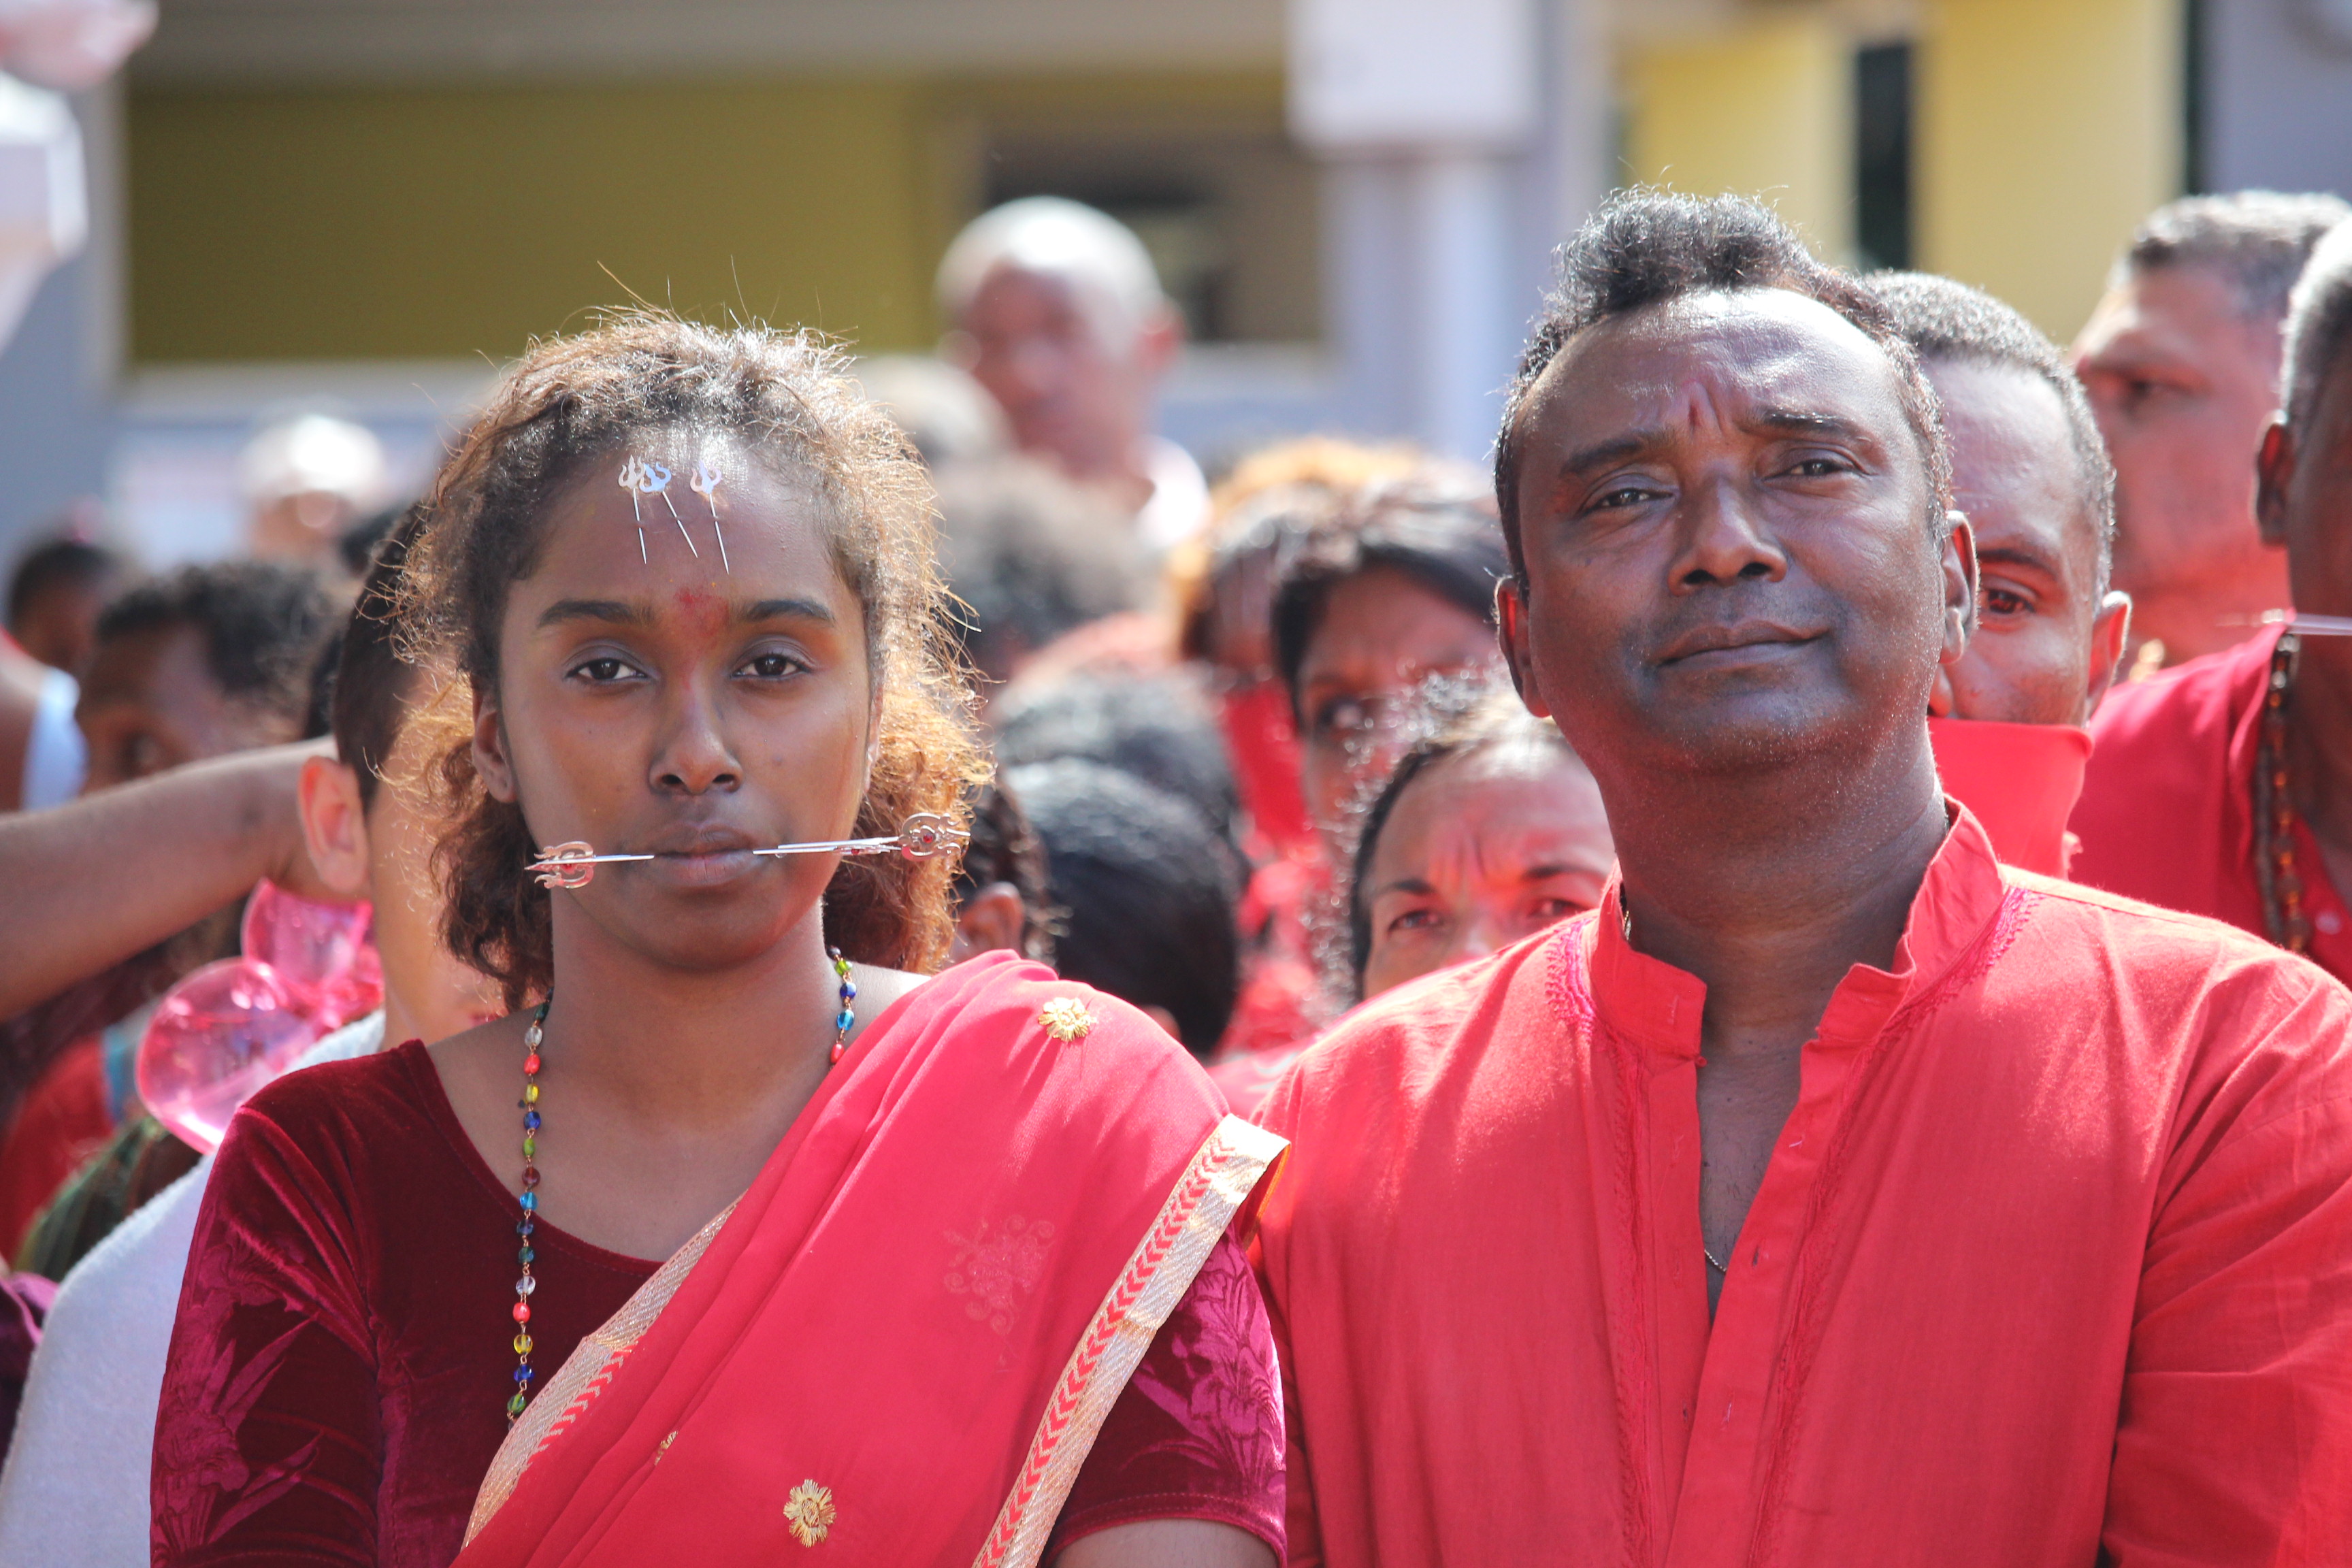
<point>2273,472</point>
<point>490,759</point>
<point>1511,631</point>
<point>1960,585</point>
<point>334,826</point>
<point>2110,629</point>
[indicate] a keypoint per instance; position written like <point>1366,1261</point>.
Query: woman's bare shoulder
<point>878,987</point>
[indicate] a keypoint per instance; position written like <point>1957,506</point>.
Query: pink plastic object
<point>220,1034</point>
<point>226,1030</point>
<point>326,953</point>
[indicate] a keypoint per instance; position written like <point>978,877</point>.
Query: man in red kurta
<point>2223,786</point>
<point>1832,1194</point>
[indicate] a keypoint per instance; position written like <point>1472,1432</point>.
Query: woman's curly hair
<point>572,403</point>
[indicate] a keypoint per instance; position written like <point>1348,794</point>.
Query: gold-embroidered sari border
<point>1218,1179</point>
<point>584,1375</point>
<point>1223,1173</point>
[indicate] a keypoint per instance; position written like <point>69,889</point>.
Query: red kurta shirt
<point>2019,782</point>
<point>2052,1263</point>
<point>2167,807</point>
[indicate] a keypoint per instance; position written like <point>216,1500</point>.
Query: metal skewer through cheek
<point>920,836</point>
<point>2296,621</point>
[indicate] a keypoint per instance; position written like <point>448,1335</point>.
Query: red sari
<point>902,1341</point>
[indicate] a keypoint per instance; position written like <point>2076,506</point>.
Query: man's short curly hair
<point>1943,319</point>
<point>1647,247</point>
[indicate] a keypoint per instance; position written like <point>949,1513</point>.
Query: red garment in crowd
<point>2168,807</point>
<point>1262,741</point>
<point>1281,1002</point>
<point>343,1355</point>
<point>2049,1266</point>
<point>63,1120</point>
<point>2020,781</point>
<point>1246,1080</point>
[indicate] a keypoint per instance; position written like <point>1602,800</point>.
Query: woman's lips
<point>703,867</point>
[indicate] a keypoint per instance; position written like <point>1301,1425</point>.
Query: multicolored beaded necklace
<point>528,1286</point>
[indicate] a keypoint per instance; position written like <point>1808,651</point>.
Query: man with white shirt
<point>75,1490</point>
<point>1058,313</point>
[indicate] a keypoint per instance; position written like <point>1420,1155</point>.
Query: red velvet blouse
<point>344,1354</point>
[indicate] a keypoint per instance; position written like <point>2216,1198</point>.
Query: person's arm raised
<point>90,883</point>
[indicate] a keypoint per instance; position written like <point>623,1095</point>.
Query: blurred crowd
<point>1256,756</point>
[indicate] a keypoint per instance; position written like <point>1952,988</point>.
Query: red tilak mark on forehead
<point>704,611</point>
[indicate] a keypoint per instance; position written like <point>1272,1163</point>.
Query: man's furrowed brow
<point>1614,449</point>
<point>612,612</point>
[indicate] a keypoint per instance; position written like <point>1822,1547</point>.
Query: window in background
<point>1881,154</point>
<point>1229,216</point>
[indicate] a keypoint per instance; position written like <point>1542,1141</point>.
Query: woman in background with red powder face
<point>947,1270</point>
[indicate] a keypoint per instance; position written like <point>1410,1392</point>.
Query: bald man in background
<point>1057,311</point>
<point>2008,719</point>
<point>2181,361</point>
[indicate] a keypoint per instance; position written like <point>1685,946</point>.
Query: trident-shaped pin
<point>705,484</point>
<point>574,864</point>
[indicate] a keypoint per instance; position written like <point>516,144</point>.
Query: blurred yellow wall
<point>2045,131</point>
<point>441,223</point>
<point>1764,109</point>
<point>436,224</point>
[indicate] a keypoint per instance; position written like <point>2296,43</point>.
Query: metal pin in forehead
<point>705,484</point>
<point>920,836</point>
<point>630,473</point>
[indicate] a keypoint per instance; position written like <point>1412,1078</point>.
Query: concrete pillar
<point>1459,224</point>
<point>60,365</point>
<point>1462,139</point>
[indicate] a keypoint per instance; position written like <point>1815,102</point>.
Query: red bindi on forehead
<point>702,609</point>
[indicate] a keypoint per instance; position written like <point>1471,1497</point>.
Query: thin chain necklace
<point>528,1286</point>
<point>1625,928</point>
<point>2276,870</point>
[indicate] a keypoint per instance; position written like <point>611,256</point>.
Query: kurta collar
<point>1653,1002</point>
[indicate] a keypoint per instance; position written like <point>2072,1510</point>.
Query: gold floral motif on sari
<point>809,1511</point>
<point>1067,1019</point>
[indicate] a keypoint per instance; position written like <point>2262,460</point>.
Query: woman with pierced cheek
<point>745,1232</point>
